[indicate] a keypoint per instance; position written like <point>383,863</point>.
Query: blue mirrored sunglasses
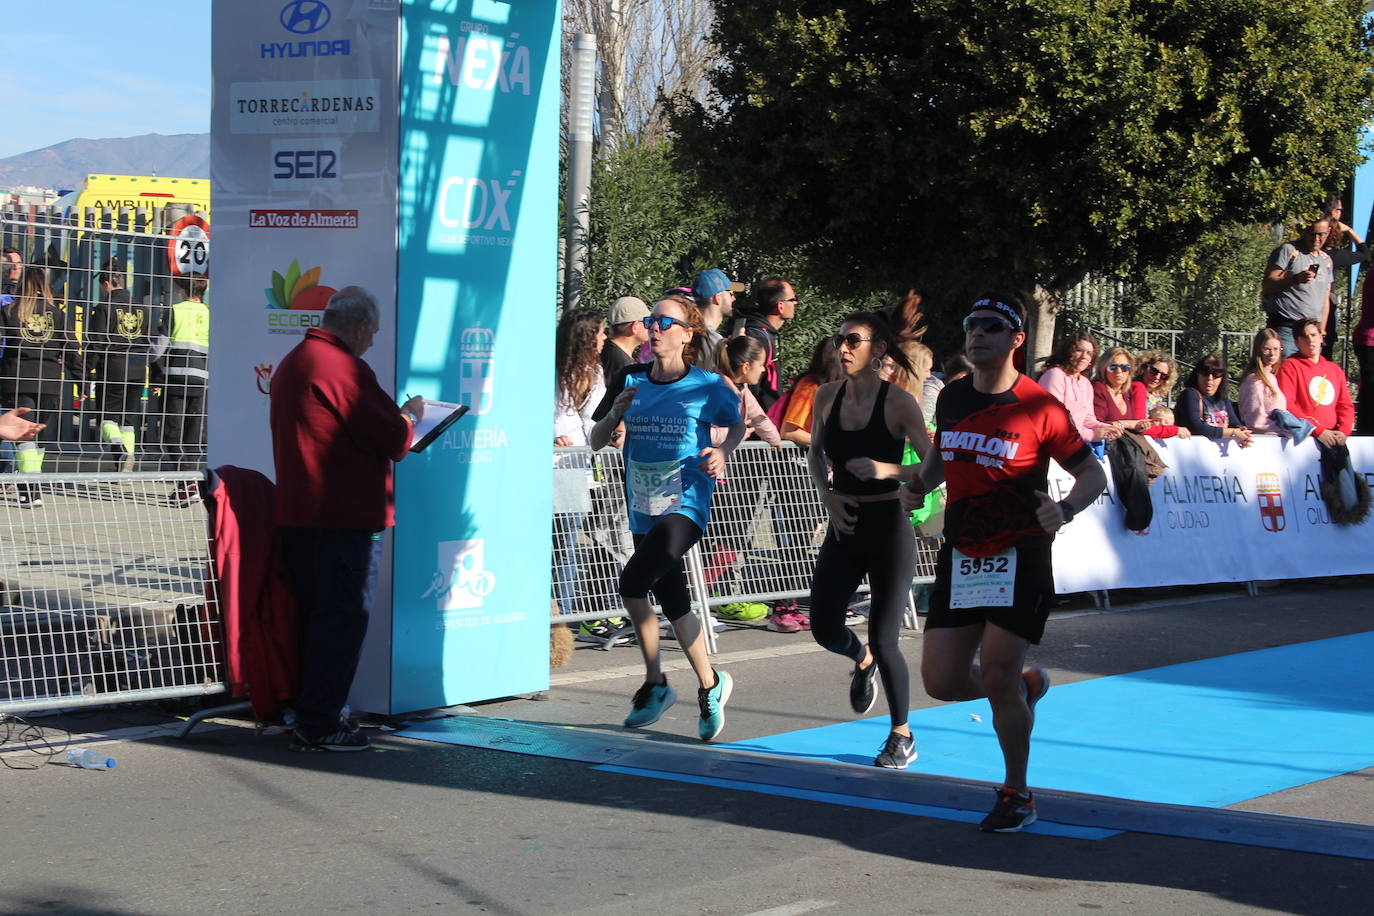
<point>664,322</point>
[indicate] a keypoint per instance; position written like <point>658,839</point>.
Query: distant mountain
<point>66,164</point>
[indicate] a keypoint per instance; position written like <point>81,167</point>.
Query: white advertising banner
<point>303,168</point>
<point>1221,514</point>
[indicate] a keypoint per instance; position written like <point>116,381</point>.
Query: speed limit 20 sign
<point>188,250</point>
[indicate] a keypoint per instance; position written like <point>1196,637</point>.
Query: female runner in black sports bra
<point>861,424</point>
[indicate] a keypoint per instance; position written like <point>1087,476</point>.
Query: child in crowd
<point>1162,415</point>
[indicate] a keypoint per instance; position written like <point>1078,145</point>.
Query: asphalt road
<point>231,822</point>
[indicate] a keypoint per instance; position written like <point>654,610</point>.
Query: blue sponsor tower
<point>411,148</point>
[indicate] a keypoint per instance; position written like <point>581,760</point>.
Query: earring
<point>875,364</point>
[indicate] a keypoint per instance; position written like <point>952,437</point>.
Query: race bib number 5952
<point>982,581</point>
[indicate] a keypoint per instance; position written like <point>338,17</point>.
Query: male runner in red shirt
<point>996,431</point>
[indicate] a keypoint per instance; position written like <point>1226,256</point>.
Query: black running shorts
<point>1032,595</point>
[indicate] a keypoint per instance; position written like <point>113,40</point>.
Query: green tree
<point>956,144</point>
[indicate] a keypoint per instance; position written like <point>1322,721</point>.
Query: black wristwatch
<point>1068,510</point>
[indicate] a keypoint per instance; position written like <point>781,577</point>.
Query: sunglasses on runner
<point>1119,367</point>
<point>988,324</point>
<point>850,340</point>
<point>663,322</point>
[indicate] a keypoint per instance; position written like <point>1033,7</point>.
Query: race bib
<point>655,486</point>
<point>982,581</point>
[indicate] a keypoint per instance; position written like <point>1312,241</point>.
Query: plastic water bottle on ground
<point>89,759</point>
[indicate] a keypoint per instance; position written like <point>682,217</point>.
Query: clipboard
<point>439,416</point>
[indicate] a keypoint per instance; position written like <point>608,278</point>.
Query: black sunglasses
<point>851,340</point>
<point>663,322</point>
<point>988,324</point>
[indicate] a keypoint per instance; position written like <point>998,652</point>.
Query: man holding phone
<point>1297,284</point>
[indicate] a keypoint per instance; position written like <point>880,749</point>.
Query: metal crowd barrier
<point>112,407</point>
<point>108,593</point>
<point>767,524</point>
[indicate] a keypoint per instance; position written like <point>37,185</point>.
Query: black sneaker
<point>30,497</point>
<point>343,740</point>
<point>863,687</point>
<point>898,751</point>
<point>1012,812</point>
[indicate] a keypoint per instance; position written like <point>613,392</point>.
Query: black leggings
<point>883,547</point>
<point>657,565</point>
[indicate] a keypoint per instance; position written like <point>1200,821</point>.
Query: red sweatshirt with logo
<point>1317,392</point>
<point>335,434</point>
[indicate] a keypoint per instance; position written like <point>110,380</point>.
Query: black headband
<point>998,305</point>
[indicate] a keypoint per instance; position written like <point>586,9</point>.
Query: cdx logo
<point>304,17</point>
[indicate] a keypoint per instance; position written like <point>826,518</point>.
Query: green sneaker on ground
<point>743,610</point>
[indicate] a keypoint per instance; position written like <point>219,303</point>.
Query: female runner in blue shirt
<point>668,407</point>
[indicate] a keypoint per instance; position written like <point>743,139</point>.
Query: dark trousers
<point>183,424</point>
<point>1364,408</point>
<point>333,573</point>
<point>121,391</point>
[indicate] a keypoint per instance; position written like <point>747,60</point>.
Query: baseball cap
<point>709,282</point>
<point>627,309</point>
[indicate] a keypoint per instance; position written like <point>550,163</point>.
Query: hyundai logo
<point>304,17</point>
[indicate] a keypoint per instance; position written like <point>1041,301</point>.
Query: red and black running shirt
<point>997,450</point>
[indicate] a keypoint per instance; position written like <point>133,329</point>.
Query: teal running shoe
<point>650,702</point>
<point>712,701</point>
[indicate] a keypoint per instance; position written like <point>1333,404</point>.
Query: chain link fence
<point>106,591</point>
<point>767,525</point>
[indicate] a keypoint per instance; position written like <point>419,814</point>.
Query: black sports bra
<point>873,441</point>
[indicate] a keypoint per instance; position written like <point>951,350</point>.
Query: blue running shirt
<point>666,427</point>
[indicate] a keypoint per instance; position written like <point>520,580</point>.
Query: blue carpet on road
<point>1208,733</point>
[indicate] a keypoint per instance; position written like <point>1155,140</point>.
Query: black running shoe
<point>1012,812</point>
<point>898,751</point>
<point>344,740</point>
<point>863,688</point>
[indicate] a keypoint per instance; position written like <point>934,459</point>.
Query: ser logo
<point>305,166</point>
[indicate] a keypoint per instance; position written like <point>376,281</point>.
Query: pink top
<point>1362,335</point>
<point>754,417</point>
<point>1257,400</point>
<point>1076,393</point>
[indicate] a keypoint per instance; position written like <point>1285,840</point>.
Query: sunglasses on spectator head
<point>663,322</point>
<point>1119,367</point>
<point>851,340</point>
<point>988,324</point>
<point>678,291</point>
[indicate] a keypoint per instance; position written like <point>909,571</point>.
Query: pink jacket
<point>754,417</point>
<point>1075,393</point>
<point>1256,403</point>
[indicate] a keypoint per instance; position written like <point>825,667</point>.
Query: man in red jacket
<point>1316,389</point>
<point>335,433</point>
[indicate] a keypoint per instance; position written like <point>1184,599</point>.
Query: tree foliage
<point>954,144</point>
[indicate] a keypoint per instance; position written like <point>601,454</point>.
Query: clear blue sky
<point>82,68</point>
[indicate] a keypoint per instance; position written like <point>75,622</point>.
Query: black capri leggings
<point>657,565</point>
<point>883,547</point>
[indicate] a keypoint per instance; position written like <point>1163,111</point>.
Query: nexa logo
<point>304,17</point>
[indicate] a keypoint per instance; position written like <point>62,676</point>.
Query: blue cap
<point>709,282</point>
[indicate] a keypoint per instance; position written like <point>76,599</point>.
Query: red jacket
<point>257,606</point>
<point>1317,392</point>
<point>335,433</point>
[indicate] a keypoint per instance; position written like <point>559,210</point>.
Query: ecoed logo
<point>295,300</point>
<point>304,17</point>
